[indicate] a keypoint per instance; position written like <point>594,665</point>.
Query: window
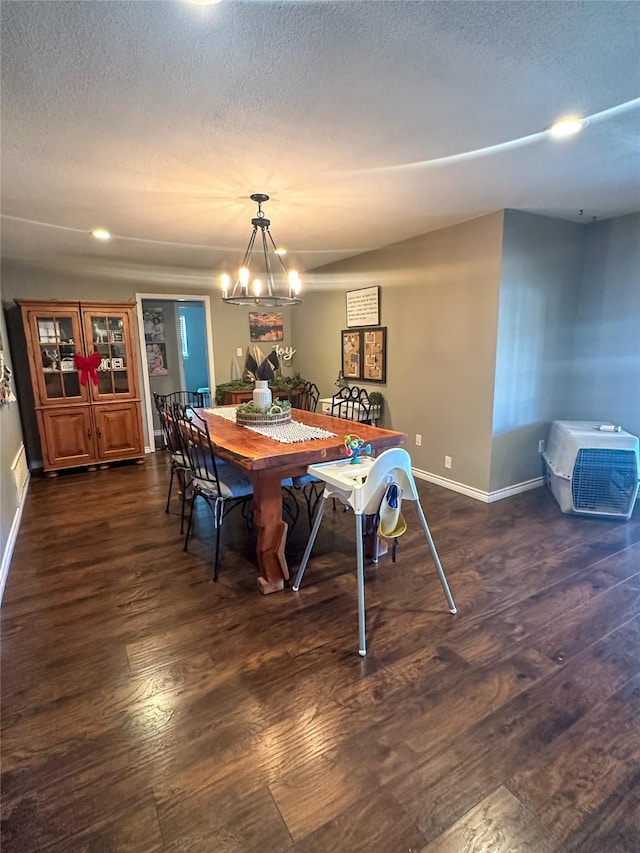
<point>184,343</point>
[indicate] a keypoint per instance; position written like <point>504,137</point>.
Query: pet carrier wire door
<point>590,471</point>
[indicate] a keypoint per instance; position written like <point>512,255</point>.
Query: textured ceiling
<point>157,120</point>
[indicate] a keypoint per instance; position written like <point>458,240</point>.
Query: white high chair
<point>362,487</point>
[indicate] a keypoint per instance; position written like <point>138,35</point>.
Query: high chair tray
<point>343,474</point>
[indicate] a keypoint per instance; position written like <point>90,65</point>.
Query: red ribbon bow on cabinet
<point>87,365</point>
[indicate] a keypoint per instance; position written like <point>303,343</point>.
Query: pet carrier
<point>592,469</point>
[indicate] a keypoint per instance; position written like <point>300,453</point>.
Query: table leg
<point>272,531</point>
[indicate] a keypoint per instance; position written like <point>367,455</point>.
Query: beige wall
<point>439,302</point>
<point>606,365</point>
<point>496,327</point>
<point>539,285</point>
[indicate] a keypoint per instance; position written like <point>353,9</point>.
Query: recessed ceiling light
<point>202,2</point>
<point>281,251</point>
<point>101,234</point>
<point>566,127</point>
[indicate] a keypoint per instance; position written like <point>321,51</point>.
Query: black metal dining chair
<point>172,446</point>
<point>352,404</point>
<point>193,399</point>
<point>223,488</point>
<point>216,481</point>
<point>306,397</point>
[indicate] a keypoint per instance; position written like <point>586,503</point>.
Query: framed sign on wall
<point>363,307</point>
<point>364,353</point>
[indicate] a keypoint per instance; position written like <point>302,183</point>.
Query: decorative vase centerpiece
<point>275,414</point>
<point>262,396</point>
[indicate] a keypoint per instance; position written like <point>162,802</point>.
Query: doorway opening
<point>176,342</point>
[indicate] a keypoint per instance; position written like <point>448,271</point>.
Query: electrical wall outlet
<point>418,440</point>
<point>239,351</point>
<point>541,445</point>
<point>447,462</point>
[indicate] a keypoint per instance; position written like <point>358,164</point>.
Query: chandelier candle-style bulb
<point>269,289</point>
<point>294,283</point>
<point>244,280</point>
<point>225,282</point>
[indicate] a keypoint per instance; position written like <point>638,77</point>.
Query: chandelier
<point>262,290</point>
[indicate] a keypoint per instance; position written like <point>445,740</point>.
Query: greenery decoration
<point>283,383</point>
<point>376,399</point>
<point>275,408</point>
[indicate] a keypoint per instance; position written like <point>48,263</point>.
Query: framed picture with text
<point>363,307</point>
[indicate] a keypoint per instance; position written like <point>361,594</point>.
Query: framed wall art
<point>266,326</point>
<point>363,307</point>
<point>364,353</point>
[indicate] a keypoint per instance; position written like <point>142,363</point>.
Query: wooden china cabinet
<point>82,423</point>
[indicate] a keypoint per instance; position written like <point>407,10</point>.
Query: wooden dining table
<point>267,462</point>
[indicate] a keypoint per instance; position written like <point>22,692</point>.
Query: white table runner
<point>290,433</point>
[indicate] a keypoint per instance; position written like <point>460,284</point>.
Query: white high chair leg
<point>360,523</point>
<point>436,559</point>
<point>312,539</point>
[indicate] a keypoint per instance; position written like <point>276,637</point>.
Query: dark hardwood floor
<point>145,708</point>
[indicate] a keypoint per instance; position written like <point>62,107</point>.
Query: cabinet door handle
<point>98,432</point>
<point>88,433</point>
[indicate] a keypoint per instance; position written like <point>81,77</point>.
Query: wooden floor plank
<point>614,826</point>
<point>456,778</point>
<point>586,765</point>
<point>375,822</point>
<point>499,823</point>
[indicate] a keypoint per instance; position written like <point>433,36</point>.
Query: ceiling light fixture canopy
<point>264,290</point>
<point>101,234</point>
<point>567,126</point>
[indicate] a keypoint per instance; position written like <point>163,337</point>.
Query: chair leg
<point>183,498</point>
<point>173,471</point>
<point>312,498</point>
<point>436,559</point>
<point>186,538</point>
<point>218,519</point>
<point>293,511</point>
<point>312,539</point>
<point>216,566</point>
<point>362,650</point>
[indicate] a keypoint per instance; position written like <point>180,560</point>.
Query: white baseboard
<point>478,494</point>
<point>8,551</point>
<point>23,478</point>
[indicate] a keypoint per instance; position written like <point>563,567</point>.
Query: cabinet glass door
<point>108,333</point>
<point>56,339</point>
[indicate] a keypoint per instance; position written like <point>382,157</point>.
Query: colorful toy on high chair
<point>356,448</point>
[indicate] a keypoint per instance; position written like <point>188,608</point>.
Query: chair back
<point>170,441</point>
<point>196,445</point>
<point>351,404</point>
<point>392,466</point>
<point>195,399</point>
<point>306,398</point>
